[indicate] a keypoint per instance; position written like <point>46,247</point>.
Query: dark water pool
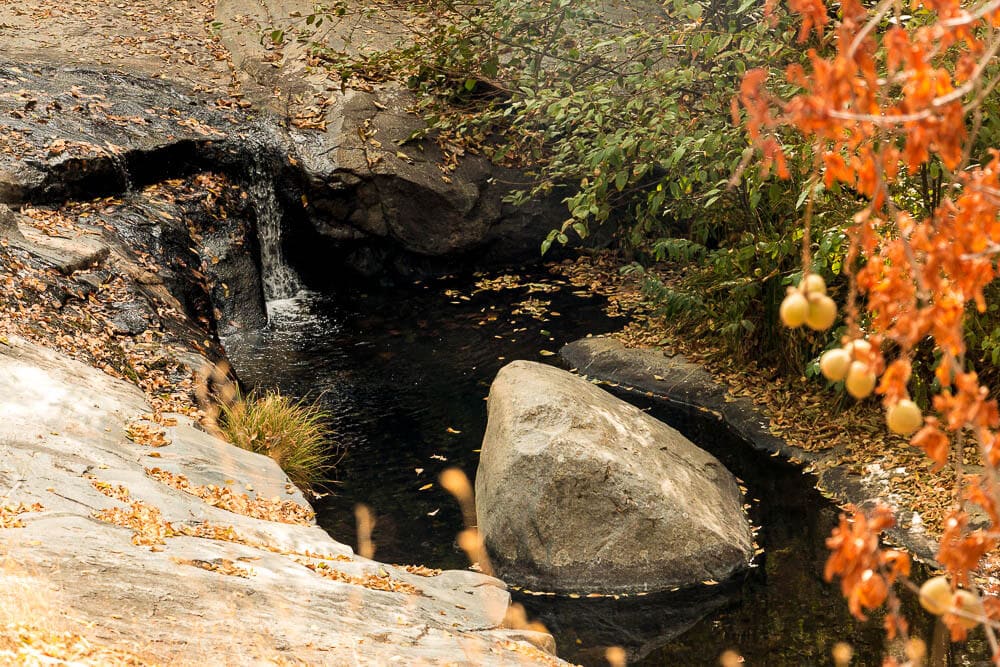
<point>404,373</point>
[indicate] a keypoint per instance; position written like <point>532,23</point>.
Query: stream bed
<point>403,373</point>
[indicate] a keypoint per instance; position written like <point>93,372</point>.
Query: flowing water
<point>280,280</point>
<point>404,373</point>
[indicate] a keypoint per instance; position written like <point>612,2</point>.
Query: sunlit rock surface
<point>580,492</point>
<point>249,591</point>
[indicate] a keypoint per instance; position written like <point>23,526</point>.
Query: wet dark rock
<point>91,281</point>
<point>235,283</point>
<point>361,184</point>
<point>392,189</point>
<point>580,492</point>
<point>64,253</point>
<point>8,223</point>
<point>94,133</point>
<point>131,318</point>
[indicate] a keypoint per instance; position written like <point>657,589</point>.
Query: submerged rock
<point>578,491</point>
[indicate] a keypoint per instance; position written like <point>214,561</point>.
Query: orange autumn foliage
<point>865,570</point>
<point>882,97</point>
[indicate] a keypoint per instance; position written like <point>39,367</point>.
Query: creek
<point>403,373</point>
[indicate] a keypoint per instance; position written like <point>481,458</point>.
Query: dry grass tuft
<point>295,433</point>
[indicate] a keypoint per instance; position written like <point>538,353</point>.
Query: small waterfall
<point>280,280</point>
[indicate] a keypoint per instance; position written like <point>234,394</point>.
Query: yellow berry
<point>834,364</point>
<point>860,381</point>
<point>936,595</point>
<point>859,349</point>
<point>794,310</point>
<point>822,312</point>
<point>813,284</point>
<point>904,417</point>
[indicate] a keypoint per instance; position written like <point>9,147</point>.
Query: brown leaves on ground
<point>40,304</point>
<point>220,565</point>
<point>74,314</point>
<point>116,491</point>
<point>146,522</point>
<point>147,435</point>
<point>211,531</point>
<point>420,570</point>
<point>374,581</point>
<point>274,509</point>
<point>173,39</point>
<point>151,529</point>
<point>9,514</point>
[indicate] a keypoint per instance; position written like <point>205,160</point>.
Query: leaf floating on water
<point>439,457</point>
<point>546,353</point>
<point>434,513</point>
<point>418,470</point>
<point>710,582</point>
<point>452,431</point>
<point>426,486</point>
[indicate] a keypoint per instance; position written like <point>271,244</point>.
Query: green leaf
<point>621,179</point>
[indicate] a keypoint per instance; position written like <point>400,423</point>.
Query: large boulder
<point>579,492</point>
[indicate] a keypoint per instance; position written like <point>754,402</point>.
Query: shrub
<point>295,433</point>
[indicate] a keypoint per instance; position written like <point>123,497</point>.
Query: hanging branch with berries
<point>883,97</point>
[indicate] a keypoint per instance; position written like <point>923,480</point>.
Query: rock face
<point>395,193</point>
<point>580,492</point>
<point>377,197</point>
<point>120,547</point>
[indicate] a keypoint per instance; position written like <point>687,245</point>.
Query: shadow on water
<point>404,374</point>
